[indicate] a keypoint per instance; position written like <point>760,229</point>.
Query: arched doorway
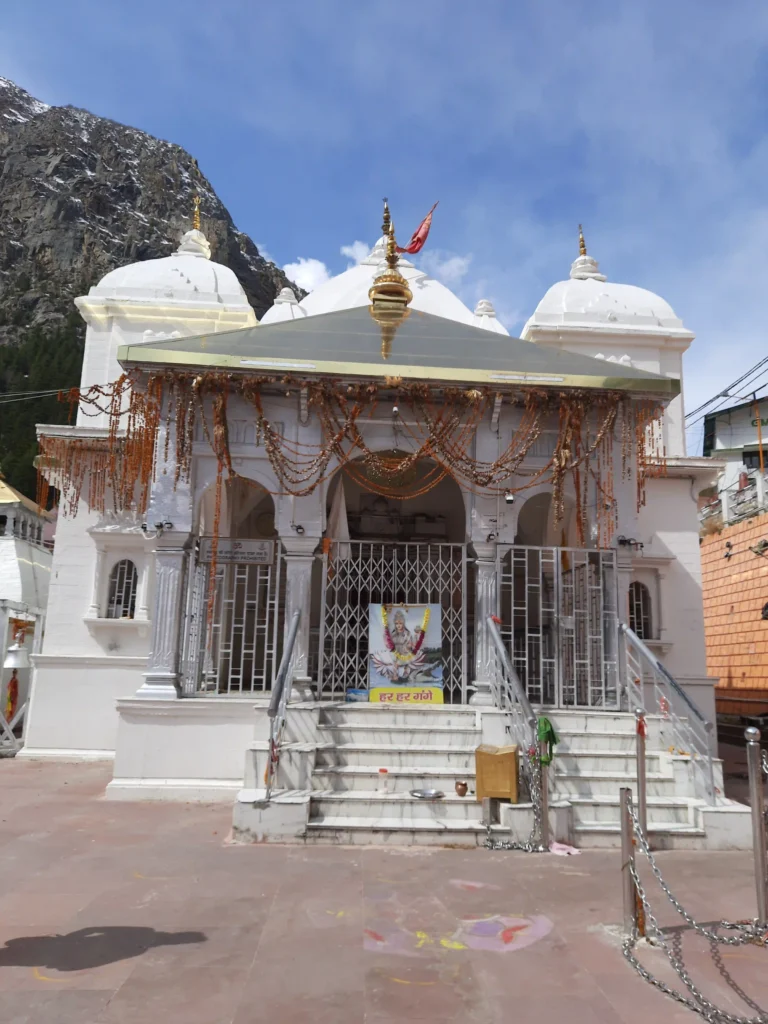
<point>558,606</point>
<point>232,637</point>
<point>386,544</point>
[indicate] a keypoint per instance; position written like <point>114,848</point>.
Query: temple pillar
<point>486,603</point>
<point>299,559</point>
<point>161,680</point>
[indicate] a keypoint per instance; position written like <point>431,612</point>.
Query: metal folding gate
<point>233,650</point>
<point>357,574</point>
<point>558,608</point>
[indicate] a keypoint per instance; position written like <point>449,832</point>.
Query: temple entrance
<point>231,642</point>
<point>558,607</point>
<point>559,622</point>
<point>399,551</point>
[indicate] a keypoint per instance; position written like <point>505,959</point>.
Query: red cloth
<point>419,236</point>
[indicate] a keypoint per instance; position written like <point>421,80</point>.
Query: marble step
<point>346,778</point>
<point>401,735</point>
<point>601,740</point>
<point>392,832</point>
<point>599,783</point>
<point>583,762</point>
<point>402,807</point>
<point>589,722</point>
<point>445,715</point>
<point>388,755</point>
<point>605,810</point>
<point>669,836</point>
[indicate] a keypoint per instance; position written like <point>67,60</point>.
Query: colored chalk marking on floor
<point>44,977</point>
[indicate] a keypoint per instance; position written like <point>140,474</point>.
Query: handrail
<point>517,687</point>
<point>281,694</point>
<point>691,734</point>
<point>650,656</point>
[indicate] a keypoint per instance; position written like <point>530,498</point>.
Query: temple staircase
<point>433,748</point>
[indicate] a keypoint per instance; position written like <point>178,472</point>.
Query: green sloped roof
<point>425,347</point>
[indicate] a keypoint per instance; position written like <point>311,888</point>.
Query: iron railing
<point>522,724</point>
<point>509,694</point>
<point>281,694</point>
<point>685,730</point>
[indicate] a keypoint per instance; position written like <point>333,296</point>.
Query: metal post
<point>754,766</point>
<point>627,861</point>
<point>642,790</point>
<point>544,784</point>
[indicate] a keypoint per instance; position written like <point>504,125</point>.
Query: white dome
<point>286,307</point>
<point>349,290</point>
<point>586,299</point>
<point>187,277</point>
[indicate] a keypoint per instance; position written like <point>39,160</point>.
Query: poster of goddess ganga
<point>405,643</point>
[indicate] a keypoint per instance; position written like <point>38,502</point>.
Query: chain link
<point>533,843</point>
<point>764,760</point>
<point>754,932</point>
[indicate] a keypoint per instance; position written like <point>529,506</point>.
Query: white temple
<point>167,620</point>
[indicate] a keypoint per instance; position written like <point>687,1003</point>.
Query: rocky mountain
<point>79,196</point>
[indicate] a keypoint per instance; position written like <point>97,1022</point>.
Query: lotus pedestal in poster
<point>406,664</point>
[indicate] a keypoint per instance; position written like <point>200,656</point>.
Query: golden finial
<point>582,243</point>
<point>387,220</point>
<point>389,294</point>
<point>196,214</point>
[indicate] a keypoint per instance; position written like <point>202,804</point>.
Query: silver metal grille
<point>123,584</point>
<point>236,652</point>
<point>640,621</point>
<point>357,574</point>
<point>559,623</point>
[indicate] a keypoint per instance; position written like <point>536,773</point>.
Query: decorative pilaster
<point>299,559</point>
<point>161,680</point>
<point>486,603</point>
<point>94,612</point>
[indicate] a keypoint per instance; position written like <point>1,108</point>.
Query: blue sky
<point>646,121</point>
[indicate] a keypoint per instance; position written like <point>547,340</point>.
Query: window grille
<point>123,584</point>
<point>640,621</point>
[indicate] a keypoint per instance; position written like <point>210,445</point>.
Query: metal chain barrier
<point>744,932</point>
<point>764,761</point>
<point>534,843</point>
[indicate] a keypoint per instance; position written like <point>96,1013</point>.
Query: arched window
<point>123,583</point>
<point>640,620</point>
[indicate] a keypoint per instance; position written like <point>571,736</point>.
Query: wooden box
<point>497,772</point>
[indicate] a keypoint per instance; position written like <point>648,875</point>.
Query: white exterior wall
<point>87,661</point>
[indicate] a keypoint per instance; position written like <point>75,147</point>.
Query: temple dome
<point>588,300</point>
<point>349,290</point>
<point>188,276</point>
<point>286,307</point>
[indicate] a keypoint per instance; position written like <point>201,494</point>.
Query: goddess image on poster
<point>405,642</point>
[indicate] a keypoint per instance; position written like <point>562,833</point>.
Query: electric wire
<point>725,393</point>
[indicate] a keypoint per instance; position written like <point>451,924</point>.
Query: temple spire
<point>582,243</point>
<point>386,220</point>
<point>196,214</point>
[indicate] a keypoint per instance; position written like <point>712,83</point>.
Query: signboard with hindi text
<point>229,551</point>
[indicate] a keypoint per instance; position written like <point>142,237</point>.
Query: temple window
<point>640,619</point>
<point>123,584</point>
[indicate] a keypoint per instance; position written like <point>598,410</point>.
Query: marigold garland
<point>181,408</point>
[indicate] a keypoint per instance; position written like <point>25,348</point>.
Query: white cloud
<point>307,272</point>
<point>447,267</point>
<point>356,252</point>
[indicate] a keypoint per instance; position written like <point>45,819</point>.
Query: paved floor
<point>113,913</point>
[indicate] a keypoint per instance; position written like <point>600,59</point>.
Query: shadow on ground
<point>89,947</point>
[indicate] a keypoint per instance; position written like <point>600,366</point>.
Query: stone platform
<point>120,913</point>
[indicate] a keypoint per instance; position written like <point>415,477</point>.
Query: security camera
<point>509,497</point>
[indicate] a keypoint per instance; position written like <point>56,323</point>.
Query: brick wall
<point>735,591</point>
